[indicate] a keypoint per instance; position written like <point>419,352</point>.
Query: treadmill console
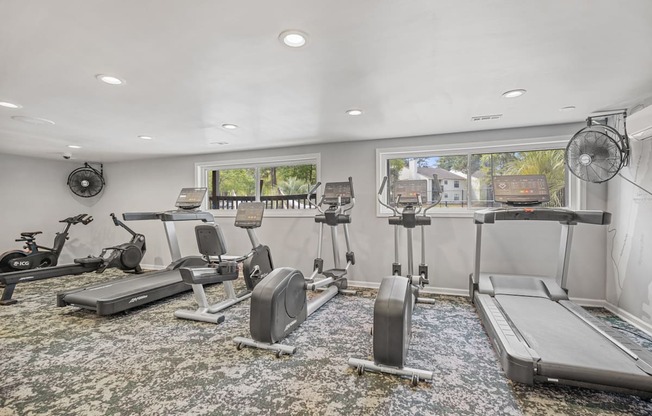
<point>408,191</point>
<point>521,189</point>
<point>190,198</point>
<point>333,190</point>
<point>249,215</point>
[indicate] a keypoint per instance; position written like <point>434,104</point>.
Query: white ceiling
<point>415,67</point>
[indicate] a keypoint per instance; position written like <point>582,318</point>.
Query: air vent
<point>487,117</point>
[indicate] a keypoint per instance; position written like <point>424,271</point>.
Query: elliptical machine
<point>279,303</point>
<point>397,294</point>
<point>38,256</point>
<point>211,243</point>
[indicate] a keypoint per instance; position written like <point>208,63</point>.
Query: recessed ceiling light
<point>10,105</point>
<point>354,112</point>
<point>145,137</point>
<point>513,93</point>
<point>567,108</point>
<point>219,143</point>
<point>229,126</point>
<point>33,120</point>
<point>110,79</point>
<point>74,146</point>
<point>293,38</point>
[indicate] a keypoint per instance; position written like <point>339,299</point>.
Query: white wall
<point>153,185</point>
<point>629,252</point>
<point>34,197</point>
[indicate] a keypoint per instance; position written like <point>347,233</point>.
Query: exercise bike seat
<point>30,234</point>
<point>222,272</point>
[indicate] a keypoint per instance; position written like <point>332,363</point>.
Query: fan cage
<point>93,178</point>
<point>603,141</point>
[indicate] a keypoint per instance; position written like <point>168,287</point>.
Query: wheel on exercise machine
<point>360,370</point>
<point>239,346</point>
<point>415,380</point>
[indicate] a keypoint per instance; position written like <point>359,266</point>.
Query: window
<point>471,170</point>
<point>281,183</point>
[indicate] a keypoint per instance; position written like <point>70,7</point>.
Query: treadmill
<point>119,295</point>
<point>539,335</point>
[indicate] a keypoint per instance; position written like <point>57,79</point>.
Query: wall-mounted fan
<point>86,181</point>
<point>598,151</point>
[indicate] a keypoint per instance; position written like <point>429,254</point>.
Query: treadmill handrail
<point>176,215</point>
<point>561,215</point>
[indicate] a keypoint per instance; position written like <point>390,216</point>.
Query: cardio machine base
<point>414,374</point>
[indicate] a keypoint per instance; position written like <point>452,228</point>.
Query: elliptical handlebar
<point>380,198</point>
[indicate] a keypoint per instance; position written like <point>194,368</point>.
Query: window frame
<point>575,187</point>
<point>201,180</point>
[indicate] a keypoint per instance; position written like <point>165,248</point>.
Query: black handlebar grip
<point>382,186</point>
<point>351,185</point>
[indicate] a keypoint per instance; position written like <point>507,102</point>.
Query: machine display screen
<point>191,198</point>
<point>409,191</point>
<point>333,190</point>
<point>249,215</point>
<point>521,189</point>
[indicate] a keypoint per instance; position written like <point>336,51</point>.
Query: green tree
<point>550,163</point>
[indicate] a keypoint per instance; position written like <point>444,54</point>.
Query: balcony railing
<point>298,201</point>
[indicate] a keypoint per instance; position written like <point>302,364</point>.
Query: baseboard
<point>363,284</point>
<point>591,303</point>
<point>152,267</point>
<point>623,314</point>
<point>427,289</point>
<point>445,291</point>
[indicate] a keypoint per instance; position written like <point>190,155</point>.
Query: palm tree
<point>545,162</point>
<point>293,186</point>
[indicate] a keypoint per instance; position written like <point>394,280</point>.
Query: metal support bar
<point>253,237</point>
<point>173,242</point>
<point>409,253</point>
<point>336,247</point>
<point>279,348</point>
<point>478,253</point>
<point>347,237</point>
<point>396,235</point>
<point>320,283</point>
<point>423,245</point>
<point>321,235</point>
<point>363,365</point>
<point>318,301</point>
<point>563,259</point>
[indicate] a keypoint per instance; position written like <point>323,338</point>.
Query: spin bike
<point>37,256</point>
<point>279,303</point>
<point>256,265</point>
<point>397,294</point>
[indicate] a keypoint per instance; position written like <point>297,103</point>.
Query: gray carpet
<point>66,361</point>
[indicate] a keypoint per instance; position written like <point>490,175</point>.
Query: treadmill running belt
<point>569,348</point>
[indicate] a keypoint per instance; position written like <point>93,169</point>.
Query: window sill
<point>269,213</point>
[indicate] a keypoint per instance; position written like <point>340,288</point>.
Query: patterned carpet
<point>66,361</point>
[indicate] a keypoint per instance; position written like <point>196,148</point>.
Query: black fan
<point>86,181</point>
<point>598,152</point>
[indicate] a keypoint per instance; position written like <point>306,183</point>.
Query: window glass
<point>226,187</point>
<point>286,186</point>
<point>540,162</point>
<point>281,183</point>
<point>467,179</point>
